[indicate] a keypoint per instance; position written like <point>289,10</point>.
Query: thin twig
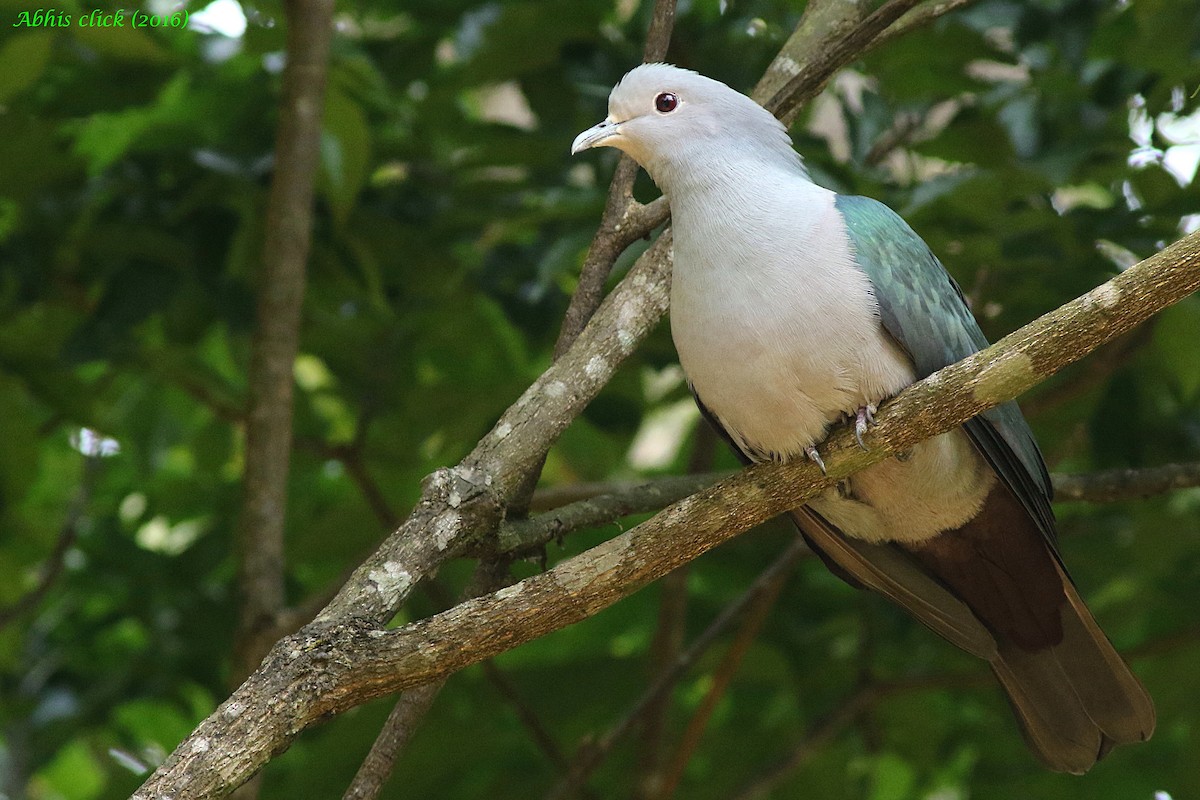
<point>397,731</point>
<point>668,640</point>
<point>624,220</point>
<point>901,133</point>
<point>413,704</point>
<point>665,649</point>
<point>917,18</point>
<point>866,697</point>
<point>525,713</point>
<point>752,624</point>
<point>811,743</point>
<point>1127,484</point>
<point>56,561</point>
<point>870,695</point>
<point>521,536</point>
<point>591,755</point>
<point>600,503</point>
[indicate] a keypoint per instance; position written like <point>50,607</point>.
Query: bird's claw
<point>815,457</point>
<point>863,418</point>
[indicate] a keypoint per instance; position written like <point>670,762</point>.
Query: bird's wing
<point>923,310</point>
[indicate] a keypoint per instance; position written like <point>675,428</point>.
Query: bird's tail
<point>1076,699</point>
<point>996,589</point>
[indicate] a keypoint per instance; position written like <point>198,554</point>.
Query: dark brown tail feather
<point>1077,699</point>
<point>996,590</point>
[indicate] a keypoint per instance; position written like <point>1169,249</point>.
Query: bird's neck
<point>698,171</point>
<point>741,197</point>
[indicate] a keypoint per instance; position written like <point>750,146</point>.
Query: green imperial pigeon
<point>793,307</point>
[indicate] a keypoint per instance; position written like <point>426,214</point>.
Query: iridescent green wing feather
<point>923,310</point>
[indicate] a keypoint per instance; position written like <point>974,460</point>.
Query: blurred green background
<point>1038,147</point>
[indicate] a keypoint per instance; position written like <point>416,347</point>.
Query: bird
<point>794,308</point>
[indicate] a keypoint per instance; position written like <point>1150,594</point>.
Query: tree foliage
<point>1038,147</point>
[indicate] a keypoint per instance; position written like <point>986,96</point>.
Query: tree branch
<point>624,220</point>
<point>870,694</point>
<point>591,505</point>
<point>276,337</point>
<point>412,706</point>
<point>665,650</point>
<point>397,730</point>
<point>617,500</point>
<point>1127,484</point>
<point>668,640</point>
<point>342,660</point>
<point>810,75</point>
<point>917,18</point>
<point>817,737</point>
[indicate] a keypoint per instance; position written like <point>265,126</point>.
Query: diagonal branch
<point>339,662</point>
<point>56,561</point>
<point>817,737</point>
<point>918,17</point>
<point>398,729</point>
<point>667,644</point>
<point>869,695</point>
<point>412,706</point>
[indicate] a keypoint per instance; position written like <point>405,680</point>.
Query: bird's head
<point>671,120</point>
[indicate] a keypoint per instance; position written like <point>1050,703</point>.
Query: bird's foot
<point>864,417</point>
<point>815,457</point>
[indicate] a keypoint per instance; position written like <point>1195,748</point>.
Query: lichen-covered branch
<point>810,75</point>
<point>341,661</point>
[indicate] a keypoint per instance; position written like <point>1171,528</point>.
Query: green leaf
<point>1175,339</point>
<point>345,152</point>
<point>74,774</point>
<point>23,59</point>
<point>104,138</point>
<point>125,43</point>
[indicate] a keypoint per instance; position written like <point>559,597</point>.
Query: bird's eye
<point>666,102</point>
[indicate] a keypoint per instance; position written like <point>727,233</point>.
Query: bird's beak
<point>596,135</point>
